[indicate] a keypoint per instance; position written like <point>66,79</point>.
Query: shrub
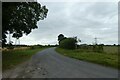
<point>98,48</point>
<point>68,43</point>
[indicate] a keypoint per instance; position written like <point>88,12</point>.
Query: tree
<point>20,18</point>
<point>68,43</point>
<point>60,37</point>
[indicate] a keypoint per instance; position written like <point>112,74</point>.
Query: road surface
<point>50,64</point>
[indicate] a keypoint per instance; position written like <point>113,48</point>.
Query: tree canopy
<point>60,37</point>
<point>20,18</point>
<point>68,43</point>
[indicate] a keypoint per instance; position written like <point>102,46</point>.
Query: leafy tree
<point>68,43</point>
<point>20,18</point>
<point>61,37</point>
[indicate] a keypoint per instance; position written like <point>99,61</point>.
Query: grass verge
<point>12,58</point>
<point>105,59</point>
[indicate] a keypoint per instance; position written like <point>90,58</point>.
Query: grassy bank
<point>106,59</point>
<point>12,58</point>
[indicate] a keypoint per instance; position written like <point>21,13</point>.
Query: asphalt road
<point>50,64</point>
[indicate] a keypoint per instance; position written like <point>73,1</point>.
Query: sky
<point>86,20</point>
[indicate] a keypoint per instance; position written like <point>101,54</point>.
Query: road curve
<point>50,64</point>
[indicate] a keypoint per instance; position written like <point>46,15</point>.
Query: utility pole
<point>17,40</point>
<point>9,38</point>
<point>95,40</point>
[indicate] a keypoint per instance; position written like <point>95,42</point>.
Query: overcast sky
<point>86,20</point>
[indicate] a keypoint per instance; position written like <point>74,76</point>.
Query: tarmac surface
<point>50,64</point>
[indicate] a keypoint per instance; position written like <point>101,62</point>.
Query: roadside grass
<point>106,59</point>
<point>12,58</point>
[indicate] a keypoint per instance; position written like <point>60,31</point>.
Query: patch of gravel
<point>29,69</point>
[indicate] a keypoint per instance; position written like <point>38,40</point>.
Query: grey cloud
<point>84,20</point>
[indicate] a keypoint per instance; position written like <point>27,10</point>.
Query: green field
<point>110,49</point>
<point>107,58</point>
<point>11,58</point>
